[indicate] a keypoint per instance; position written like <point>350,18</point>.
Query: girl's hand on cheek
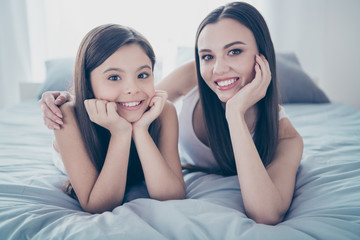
<point>254,91</point>
<point>104,114</point>
<point>156,105</point>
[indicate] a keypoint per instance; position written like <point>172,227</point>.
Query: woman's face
<point>125,78</point>
<point>227,52</point>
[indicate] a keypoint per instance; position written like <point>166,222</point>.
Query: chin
<point>224,97</point>
<point>132,119</point>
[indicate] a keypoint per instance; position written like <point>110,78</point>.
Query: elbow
<point>99,208</point>
<point>169,194</point>
<point>181,193</point>
<point>267,218</point>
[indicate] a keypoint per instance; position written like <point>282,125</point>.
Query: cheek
<point>149,90</point>
<point>104,92</point>
<point>247,69</point>
<point>205,71</point>
<point>151,93</point>
<point>95,90</point>
<point>96,87</point>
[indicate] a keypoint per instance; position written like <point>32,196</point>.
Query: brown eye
<point>143,75</point>
<point>114,78</point>
<point>207,57</point>
<point>235,52</point>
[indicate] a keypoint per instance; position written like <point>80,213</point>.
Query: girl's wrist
<point>140,130</point>
<point>121,132</point>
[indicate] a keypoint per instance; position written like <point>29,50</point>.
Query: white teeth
<point>226,83</point>
<point>130,104</point>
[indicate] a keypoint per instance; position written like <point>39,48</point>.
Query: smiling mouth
<point>226,83</point>
<point>134,105</point>
<point>131,104</point>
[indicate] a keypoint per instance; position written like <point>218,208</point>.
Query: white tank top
<point>192,150</point>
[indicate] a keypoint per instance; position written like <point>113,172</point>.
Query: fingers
<point>159,97</point>
<point>101,107</point>
<point>48,98</point>
<point>111,109</point>
<point>90,106</point>
<point>162,94</point>
<point>62,98</point>
<point>264,66</point>
<point>50,112</point>
<point>51,121</point>
<point>96,109</point>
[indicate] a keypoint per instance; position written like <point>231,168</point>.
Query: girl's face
<point>227,52</point>
<point>125,78</point>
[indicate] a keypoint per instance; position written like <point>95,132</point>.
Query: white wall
<point>342,52</point>
<point>325,35</point>
<point>14,50</point>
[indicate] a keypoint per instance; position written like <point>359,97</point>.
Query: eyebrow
<point>120,70</point>
<point>225,47</point>
<point>233,43</point>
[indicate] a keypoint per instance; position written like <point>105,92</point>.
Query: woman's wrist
<point>232,111</point>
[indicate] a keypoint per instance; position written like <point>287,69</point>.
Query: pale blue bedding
<point>326,202</point>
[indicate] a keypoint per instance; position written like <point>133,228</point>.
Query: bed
<point>326,202</point>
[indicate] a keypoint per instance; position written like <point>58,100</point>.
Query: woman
<point>236,111</point>
<point>233,116</point>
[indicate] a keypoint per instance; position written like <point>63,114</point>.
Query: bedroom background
<point>38,42</point>
<point>323,34</point>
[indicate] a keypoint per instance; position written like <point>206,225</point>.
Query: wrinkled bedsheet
<point>326,203</point>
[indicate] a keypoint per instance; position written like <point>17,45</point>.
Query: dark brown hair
<point>267,125</point>
<point>98,45</point>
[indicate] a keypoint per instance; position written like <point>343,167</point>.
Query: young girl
<point>119,130</point>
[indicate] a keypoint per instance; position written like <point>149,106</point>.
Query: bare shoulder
<point>169,112</point>
<point>169,130</point>
<point>68,110</point>
<point>290,147</point>
<point>69,117</point>
<point>68,106</point>
<point>168,118</point>
<point>286,129</point>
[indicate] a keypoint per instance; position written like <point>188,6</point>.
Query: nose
<point>131,87</point>
<point>220,66</point>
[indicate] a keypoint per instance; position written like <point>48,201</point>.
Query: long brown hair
<point>267,125</point>
<point>99,44</point>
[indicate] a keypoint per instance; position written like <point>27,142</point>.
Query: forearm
<point>161,181</point>
<point>109,188</point>
<point>262,199</point>
<point>179,82</point>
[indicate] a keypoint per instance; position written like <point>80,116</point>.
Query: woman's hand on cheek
<point>156,105</point>
<point>104,114</point>
<point>254,91</point>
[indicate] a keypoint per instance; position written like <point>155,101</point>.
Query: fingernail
<point>59,122</point>
<point>59,115</point>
